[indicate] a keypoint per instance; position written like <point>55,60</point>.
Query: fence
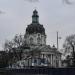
<point>38,71</point>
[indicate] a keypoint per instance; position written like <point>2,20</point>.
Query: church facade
<point>38,53</point>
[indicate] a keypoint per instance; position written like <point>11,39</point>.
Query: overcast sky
<point>55,15</point>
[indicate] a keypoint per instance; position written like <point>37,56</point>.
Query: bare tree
<point>69,47</point>
<point>69,44</point>
<point>14,48</point>
<point>18,40</point>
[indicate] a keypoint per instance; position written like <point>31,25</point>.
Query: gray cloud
<point>67,2</point>
<point>32,0</point>
<point>2,12</point>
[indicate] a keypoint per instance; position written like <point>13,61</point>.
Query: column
<point>43,56</point>
<point>59,61</point>
<point>47,61</point>
<point>28,62</point>
<point>51,59</point>
<point>31,61</point>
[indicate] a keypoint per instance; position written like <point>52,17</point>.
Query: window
<point>35,60</point>
<point>39,61</point>
<point>38,34</point>
<point>31,40</point>
<point>57,63</point>
<point>38,40</point>
<point>42,60</point>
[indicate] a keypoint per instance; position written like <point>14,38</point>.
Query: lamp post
<point>57,40</point>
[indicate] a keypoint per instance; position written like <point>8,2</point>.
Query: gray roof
<point>46,48</point>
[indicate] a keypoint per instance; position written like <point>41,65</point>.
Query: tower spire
<point>35,17</point>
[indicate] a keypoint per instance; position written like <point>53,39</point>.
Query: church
<point>38,53</point>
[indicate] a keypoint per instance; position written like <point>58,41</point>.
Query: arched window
<point>38,40</point>
<point>31,40</point>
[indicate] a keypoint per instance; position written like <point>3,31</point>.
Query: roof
<point>35,28</point>
<point>46,48</point>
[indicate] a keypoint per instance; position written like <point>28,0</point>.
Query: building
<point>38,53</point>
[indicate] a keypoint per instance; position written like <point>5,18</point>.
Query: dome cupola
<point>35,32</point>
<point>35,17</point>
<point>35,27</point>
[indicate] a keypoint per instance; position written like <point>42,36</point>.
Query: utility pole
<point>58,40</point>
